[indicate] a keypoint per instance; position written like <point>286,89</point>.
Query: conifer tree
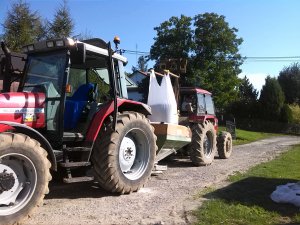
<point>62,24</point>
<point>22,26</point>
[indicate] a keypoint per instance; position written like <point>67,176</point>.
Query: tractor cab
<point>197,105</point>
<point>74,77</point>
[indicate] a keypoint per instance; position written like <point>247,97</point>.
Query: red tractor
<point>71,115</point>
<point>198,112</point>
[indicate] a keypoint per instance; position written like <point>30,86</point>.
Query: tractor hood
<point>22,107</point>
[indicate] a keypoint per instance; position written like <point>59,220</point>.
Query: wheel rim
<point>24,176</point>
<point>134,154</point>
<point>228,145</point>
<point>207,144</point>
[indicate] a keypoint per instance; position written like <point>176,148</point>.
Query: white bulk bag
<point>162,100</point>
<point>289,193</point>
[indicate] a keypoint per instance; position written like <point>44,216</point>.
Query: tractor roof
<point>95,45</point>
<point>193,90</point>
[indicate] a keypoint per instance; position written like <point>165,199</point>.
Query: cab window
<point>77,77</point>
<point>201,104</point>
<point>210,109</point>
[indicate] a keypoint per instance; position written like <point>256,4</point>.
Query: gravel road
<point>166,199</point>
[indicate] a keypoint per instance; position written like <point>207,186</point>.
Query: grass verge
<point>247,199</point>
<point>244,136</point>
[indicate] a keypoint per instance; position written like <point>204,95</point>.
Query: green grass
<point>247,199</point>
<point>244,136</point>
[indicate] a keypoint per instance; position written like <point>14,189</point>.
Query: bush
<point>286,114</point>
<point>295,109</point>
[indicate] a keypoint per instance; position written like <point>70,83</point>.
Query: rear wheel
<point>123,159</point>
<point>24,176</point>
<point>224,145</point>
<point>203,146</point>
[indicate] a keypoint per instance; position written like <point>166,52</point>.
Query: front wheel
<point>24,176</point>
<point>224,145</point>
<point>123,159</point>
<point>203,146</point>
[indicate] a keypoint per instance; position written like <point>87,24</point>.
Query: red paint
<point>4,128</point>
<point>13,106</point>
<point>200,119</point>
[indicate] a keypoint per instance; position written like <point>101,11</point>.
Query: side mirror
<point>78,54</point>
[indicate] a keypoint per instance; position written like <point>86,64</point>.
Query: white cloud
<point>257,79</point>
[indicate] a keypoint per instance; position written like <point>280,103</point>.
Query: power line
<point>246,58</point>
<point>272,57</point>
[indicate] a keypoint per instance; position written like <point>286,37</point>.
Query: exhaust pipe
<point>7,73</point>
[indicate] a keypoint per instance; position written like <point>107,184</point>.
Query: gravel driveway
<point>166,199</point>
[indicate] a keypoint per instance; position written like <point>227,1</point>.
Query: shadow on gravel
<point>255,191</point>
<point>60,190</point>
<point>179,161</point>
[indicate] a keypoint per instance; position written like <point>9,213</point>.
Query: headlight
<point>50,44</point>
<point>59,43</point>
<point>30,47</point>
<point>71,41</point>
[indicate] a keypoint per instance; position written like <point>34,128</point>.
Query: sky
<point>269,28</point>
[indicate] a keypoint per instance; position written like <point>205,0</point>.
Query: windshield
<point>46,71</point>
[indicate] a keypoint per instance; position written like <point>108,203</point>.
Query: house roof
<point>130,83</point>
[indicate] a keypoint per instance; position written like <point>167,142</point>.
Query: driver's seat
<point>75,105</point>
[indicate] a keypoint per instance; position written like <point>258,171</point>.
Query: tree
<point>216,58</point>
<point>173,40</point>
<point>62,25</point>
<point>245,105</point>
<point>289,80</point>
<point>211,48</point>
<point>271,99</point>
<point>247,93</point>
<point>22,26</point>
<point>141,64</point>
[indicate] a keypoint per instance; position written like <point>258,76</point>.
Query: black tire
<point>26,164</point>
<point>224,145</point>
<point>123,159</point>
<point>203,146</point>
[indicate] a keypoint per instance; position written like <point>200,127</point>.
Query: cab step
<point>78,149</point>
<point>78,179</point>
<point>74,164</point>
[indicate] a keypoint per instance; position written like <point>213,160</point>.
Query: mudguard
<point>107,109</point>
<point>6,126</point>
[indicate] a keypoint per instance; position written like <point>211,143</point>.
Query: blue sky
<point>268,27</point>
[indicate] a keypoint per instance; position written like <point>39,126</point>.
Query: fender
<point>202,118</point>
<point>107,109</point>
<point>6,126</point>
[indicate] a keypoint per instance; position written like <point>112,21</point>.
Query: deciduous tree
<point>217,60</point>
<point>211,47</point>
<point>173,39</point>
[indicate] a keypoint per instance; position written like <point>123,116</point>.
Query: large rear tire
<point>24,177</point>
<point>224,145</point>
<point>123,159</point>
<point>203,146</point>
